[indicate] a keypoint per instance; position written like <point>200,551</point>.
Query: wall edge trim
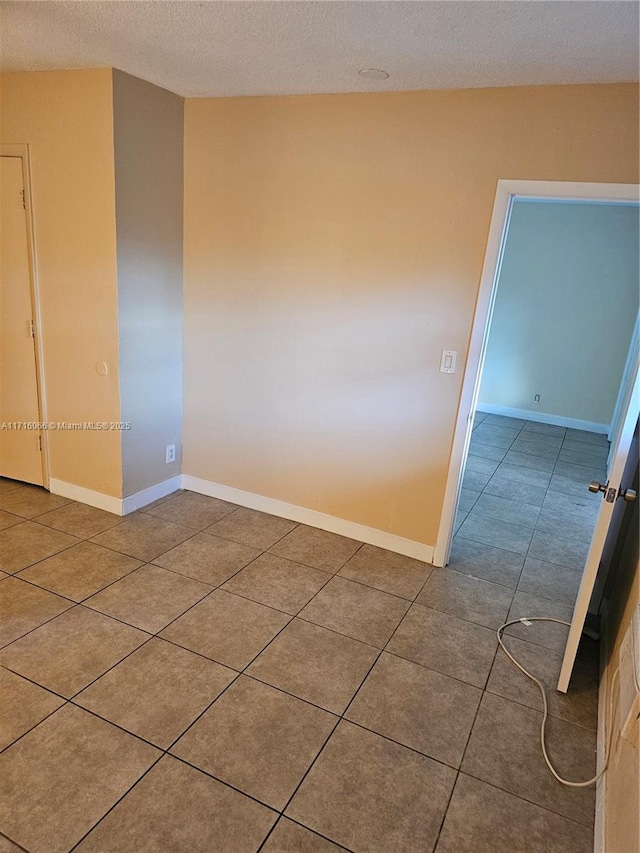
<point>312,517</point>
<point>543,418</point>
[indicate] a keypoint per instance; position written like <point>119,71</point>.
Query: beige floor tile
<point>226,628</point>
<point>504,750</point>
<point>315,664</point>
<point>23,607</point>
<point>290,837</point>
<point>445,643</point>
<point>156,692</point>
<point>250,527</point>
<point>149,598</point>
<point>278,583</point>
<point>417,707</point>
<point>80,520</point>
<point>80,571</point>
<point>72,650</point>
<point>7,846</point>
<point>8,519</point>
<point>30,501</point>
<point>191,509</point>
<point>27,543</point>
<point>469,598</point>
<point>483,818</point>
<point>207,558</point>
<point>363,792</point>
<point>387,571</point>
<point>317,548</point>
<point>63,776</point>
<point>144,536</point>
<point>258,740</point>
<point>7,485</point>
<point>357,611</point>
<point>176,809</point>
<point>22,706</point>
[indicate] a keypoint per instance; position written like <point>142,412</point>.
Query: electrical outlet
<point>171,453</point>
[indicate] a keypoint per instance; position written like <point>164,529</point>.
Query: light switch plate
<point>448,361</point>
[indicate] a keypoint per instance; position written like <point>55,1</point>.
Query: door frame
<point>21,150</point>
<point>632,359</point>
<point>506,193</point>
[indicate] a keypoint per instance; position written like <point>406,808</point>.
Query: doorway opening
<point>23,445</point>
<point>539,463</point>
<point>508,192</point>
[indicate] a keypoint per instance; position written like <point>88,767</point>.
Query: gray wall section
<point>565,309</point>
<point>148,136</point>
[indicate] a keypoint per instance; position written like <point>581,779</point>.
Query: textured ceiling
<point>217,48</point>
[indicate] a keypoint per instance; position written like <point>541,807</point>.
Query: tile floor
<point>202,677</point>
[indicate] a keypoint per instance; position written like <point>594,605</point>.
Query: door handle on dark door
<point>628,495</point>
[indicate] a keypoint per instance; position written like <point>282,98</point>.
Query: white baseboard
<point>543,418</point>
<point>351,529</point>
<point>151,494</point>
<point>85,496</point>
<point>341,526</point>
<point>118,506</point>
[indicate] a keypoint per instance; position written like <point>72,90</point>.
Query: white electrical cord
<point>545,705</point>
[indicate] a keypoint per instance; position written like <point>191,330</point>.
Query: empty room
<point>319,406</point>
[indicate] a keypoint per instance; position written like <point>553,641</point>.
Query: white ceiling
<point>243,47</point>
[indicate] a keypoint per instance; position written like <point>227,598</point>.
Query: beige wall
<point>148,133</point>
<point>66,117</point>
<point>333,247</point>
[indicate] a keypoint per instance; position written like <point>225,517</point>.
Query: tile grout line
<point>167,750</point>
<point>11,841</point>
<point>163,752</point>
<point>341,717</point>
<point>486,691</point>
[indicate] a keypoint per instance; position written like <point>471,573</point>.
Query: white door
<point>612,491</point>
<point>20,438</point>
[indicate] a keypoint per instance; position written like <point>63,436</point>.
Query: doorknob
<point>628,495</point>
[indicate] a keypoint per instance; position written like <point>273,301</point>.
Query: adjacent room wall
<point>148,133</point>
<point>569,275</point>
<point>333,248</point>
<point>66,117</point>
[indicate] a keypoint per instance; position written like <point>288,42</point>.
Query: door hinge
<point>40,443</point>
<point>22,199</point>
<point>32,330</point>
